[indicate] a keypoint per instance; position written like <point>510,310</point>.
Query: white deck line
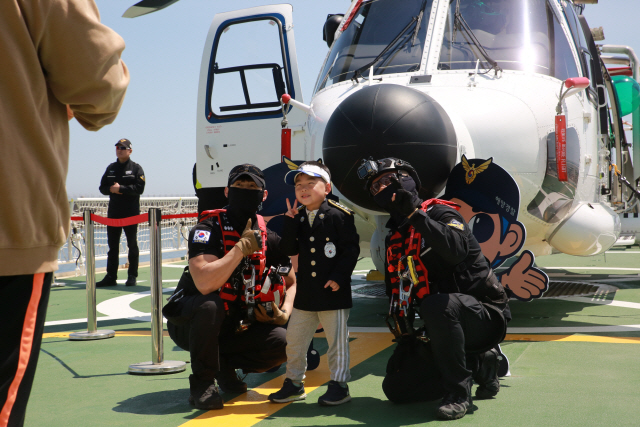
<point>591,268</point>
<point>120,308</point>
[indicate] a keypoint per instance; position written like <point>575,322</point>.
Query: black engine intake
<point>389,121</point>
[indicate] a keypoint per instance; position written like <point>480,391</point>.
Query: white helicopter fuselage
<point>508,116</point>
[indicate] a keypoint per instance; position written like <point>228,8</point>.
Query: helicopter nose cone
<point>389,121</point>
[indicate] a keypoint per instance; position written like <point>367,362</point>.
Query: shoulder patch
<point>456,224</point>
<point>339,206</point>
<point>201,236</point>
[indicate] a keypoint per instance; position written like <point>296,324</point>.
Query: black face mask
<point>243,204</point>
<point>383,199</point>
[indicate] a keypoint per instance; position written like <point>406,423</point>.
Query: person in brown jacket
<point>58,61</point>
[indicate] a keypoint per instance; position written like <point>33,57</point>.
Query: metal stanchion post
<point>91,333</point>
<point>157,365</point>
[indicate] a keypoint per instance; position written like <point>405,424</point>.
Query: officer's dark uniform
<point>130,176</point>
<point>328,250</point>
<point>202,326</point>
<point>456,323</point>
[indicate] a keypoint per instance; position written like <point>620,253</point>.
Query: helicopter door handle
<point>211,152</point>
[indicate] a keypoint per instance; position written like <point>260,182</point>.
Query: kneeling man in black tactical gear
<point>229,306</point>
<point>434,266</point>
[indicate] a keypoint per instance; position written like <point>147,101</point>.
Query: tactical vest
<point>401,247</point>
<point>230,292</point>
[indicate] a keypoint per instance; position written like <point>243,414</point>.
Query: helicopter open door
<point>249,62</point>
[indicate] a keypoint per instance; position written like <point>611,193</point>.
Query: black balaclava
<point>383,198</point>
<point>243,205</point>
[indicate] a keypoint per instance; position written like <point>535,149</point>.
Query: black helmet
<point>370,169</point>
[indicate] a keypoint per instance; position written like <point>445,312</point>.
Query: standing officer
<point>123,182</point>
<point>459,298</point>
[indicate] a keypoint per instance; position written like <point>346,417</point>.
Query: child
<point>324,235</point>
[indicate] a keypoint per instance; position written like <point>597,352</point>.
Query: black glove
<point>405,202</point>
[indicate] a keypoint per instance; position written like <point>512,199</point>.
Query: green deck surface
<point>556,383</point>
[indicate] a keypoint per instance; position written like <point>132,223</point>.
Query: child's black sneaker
<point>335,395</point>
<point>288,393</point>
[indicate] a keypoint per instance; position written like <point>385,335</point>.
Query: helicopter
<point>437,82</point>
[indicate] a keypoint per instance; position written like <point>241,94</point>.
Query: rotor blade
<point>146,6</point>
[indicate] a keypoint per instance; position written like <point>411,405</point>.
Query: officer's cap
<point>249,170</point>
<point>124,142</point>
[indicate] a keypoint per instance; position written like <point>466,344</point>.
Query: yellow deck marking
<point>575,338</point>
<point>118,334</point>
<point>253,406</point>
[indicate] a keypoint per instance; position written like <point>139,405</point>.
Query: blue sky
<point>163,53</point>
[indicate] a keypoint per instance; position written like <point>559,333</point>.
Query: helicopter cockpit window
<point>248,81</point>
<point>388,35</point>
<point>520,35</point>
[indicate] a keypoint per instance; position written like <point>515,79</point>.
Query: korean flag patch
<point>456,224</point>
<point>201,236</point>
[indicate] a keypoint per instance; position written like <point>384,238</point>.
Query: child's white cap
<point>311,170</point>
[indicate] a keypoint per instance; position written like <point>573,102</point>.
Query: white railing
<point>174,231</point>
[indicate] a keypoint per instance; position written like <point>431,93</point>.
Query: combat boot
<point>454,407</point>
<point>229,381</point>
<point>204,394</point>
<point>487,375</point>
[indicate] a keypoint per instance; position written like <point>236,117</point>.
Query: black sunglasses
<point>120,147</point>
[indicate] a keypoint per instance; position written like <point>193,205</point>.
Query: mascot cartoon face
<point>490,200</point>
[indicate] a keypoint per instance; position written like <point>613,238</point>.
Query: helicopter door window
<point>248,81</point>
<point>563,65</point>
<point>519,35</point>
<point>389,33</point>
<point>555,199</point>
<point>574,26</point>
<point>586,61</point>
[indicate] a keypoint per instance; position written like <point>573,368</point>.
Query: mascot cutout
<point>490,200</point>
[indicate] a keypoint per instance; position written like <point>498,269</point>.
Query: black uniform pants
<point>113,239</point>
<point>23,307</point>
<point>458,325</point>
<point>200,330</point>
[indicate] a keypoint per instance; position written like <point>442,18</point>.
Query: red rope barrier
<point>120,222</point>
<point>123,222</point>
